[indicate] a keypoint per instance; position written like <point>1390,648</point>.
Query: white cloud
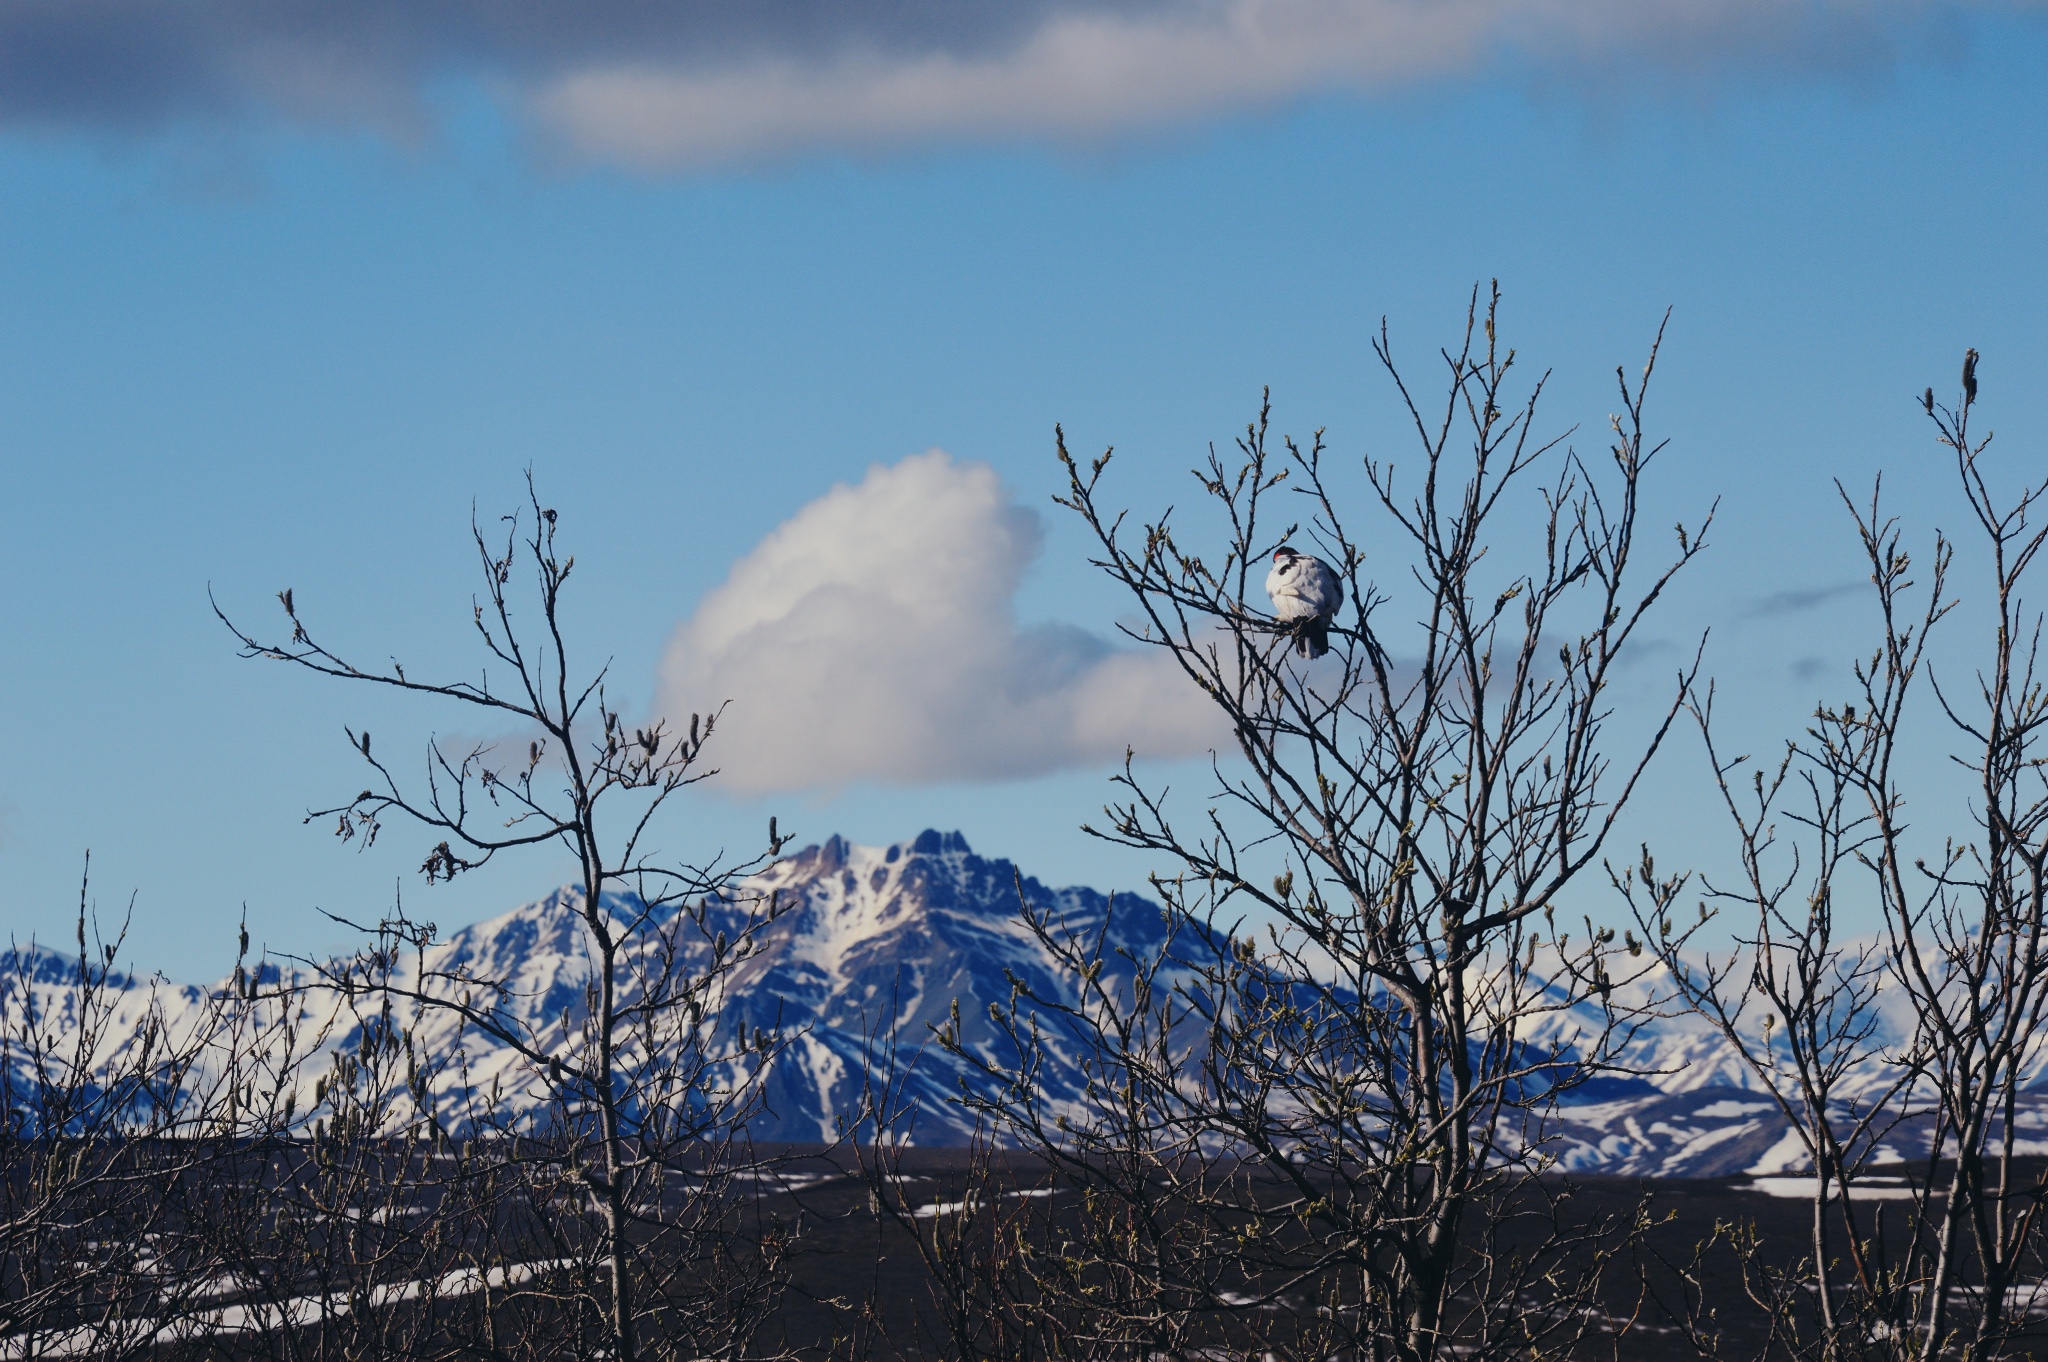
<point>873,637</point>
<point>694,82</point>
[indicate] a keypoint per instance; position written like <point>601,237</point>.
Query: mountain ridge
<point>871,942</point>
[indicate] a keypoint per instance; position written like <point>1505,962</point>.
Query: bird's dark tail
<point>1314,639</point>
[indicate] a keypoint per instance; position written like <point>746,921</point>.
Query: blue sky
<point>253,338</point>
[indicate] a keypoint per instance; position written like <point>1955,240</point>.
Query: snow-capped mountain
<point>874,941</point>
<point>869,943</point>
<point>893,940</point>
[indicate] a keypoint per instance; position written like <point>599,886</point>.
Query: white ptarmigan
<point>1306,593</point>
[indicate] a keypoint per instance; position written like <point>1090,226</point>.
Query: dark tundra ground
<point>860,1291</point>
<point>851,1255</point>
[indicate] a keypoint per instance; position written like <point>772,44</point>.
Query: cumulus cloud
<point>695,82</point>
<point>874,636</point>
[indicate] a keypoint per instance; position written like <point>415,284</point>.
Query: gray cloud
<point>696,82</point>
<point>1797,600</point>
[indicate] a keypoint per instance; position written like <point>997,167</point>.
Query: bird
<point>1306,593</point>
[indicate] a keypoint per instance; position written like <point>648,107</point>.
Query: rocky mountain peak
<point>880,941</point>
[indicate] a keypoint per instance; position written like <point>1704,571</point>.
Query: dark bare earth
<point>849,1256</point>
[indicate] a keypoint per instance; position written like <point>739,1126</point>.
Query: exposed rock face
<point>875,938</point>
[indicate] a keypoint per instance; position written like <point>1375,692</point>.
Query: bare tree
<point>1961,901</point>
<point>1332,1141</point>
<point>346,1227</point>
<point>624,1133</point>
<point>120,1101</point>
<point>981,1301</point>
